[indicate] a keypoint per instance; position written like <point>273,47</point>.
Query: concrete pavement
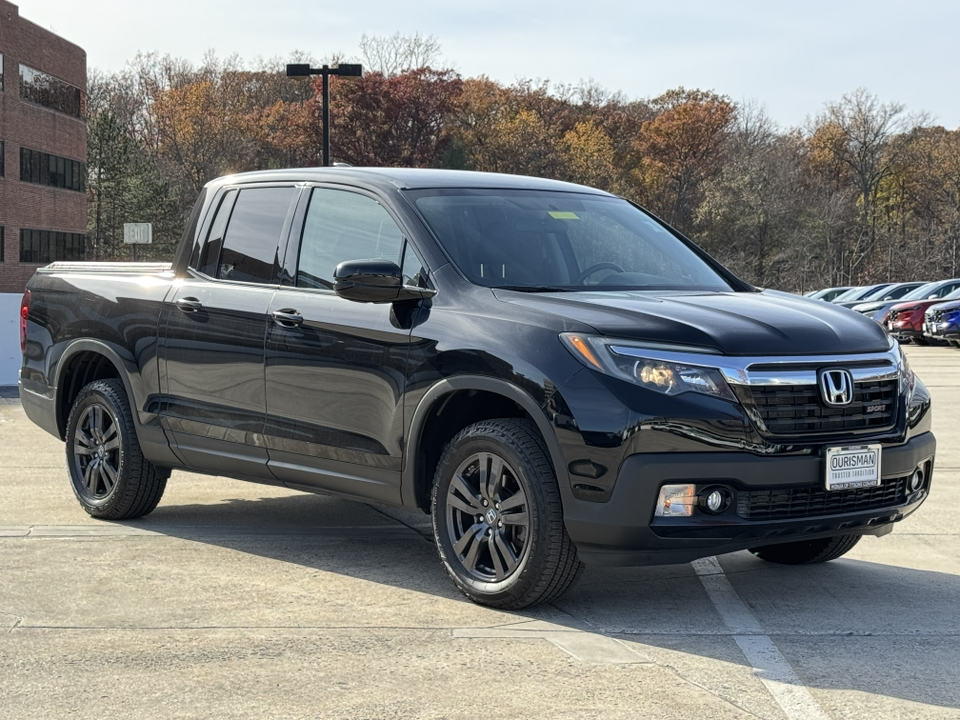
<point>235,600</point>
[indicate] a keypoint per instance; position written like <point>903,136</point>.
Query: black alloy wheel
<point>96,451</point>
<point>108,472</point>
<point>487,517</point>
<point>497,517</point>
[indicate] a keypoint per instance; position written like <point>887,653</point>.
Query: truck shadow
<point>850,624</point>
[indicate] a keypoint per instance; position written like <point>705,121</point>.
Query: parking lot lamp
<point>343,70</point>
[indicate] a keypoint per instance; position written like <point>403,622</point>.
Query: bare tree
<point>398,53</point>
<point>871,139</point>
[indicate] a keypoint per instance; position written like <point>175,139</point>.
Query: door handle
<point>287,318</point>
<point>189,304</point>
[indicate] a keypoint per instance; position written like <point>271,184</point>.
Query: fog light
<point>676,501</point>
<point>715,500</point>
<point>916,480</point>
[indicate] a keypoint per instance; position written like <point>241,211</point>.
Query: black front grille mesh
<point>799,410</point>
<point>802,502</point>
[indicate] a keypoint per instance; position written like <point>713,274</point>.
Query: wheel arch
<point>85,360</point>
<point>82,362</point>
<point>428,433</point>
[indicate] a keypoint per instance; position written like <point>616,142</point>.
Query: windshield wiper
<point>533,288</point>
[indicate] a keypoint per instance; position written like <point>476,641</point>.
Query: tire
<point>807,552</point>
<point>921,341</point>
<point>503,544</point>
<point>108,473</point>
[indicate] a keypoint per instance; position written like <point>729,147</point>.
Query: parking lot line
<point>767,661</point>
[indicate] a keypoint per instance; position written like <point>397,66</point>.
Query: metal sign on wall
<point>138,233</point>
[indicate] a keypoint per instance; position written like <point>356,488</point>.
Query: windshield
<point>891,292</point>
<point>921,292</point>
<point>874,291</point>
<point>829,294</point>
<point>553,241</point>
<point>851,294</point>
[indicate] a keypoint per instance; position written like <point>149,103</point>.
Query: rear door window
<point>252,235</point>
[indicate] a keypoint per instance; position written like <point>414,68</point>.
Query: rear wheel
<point>807,552</point>
<point>497,518</point>
<point>108,473</point>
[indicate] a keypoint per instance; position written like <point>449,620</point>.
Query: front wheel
<point>108,473</point>
<point>807,552</point>
<point>497,517</point>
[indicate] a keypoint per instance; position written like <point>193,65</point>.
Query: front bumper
<point>904,331</point>
<point>624,531</point>
<point>941,330</point>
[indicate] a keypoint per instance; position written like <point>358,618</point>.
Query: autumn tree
<point>750,211</point>
<point>395,121</point>
<point>680,148</point>
<point>124,184</point>
<point>869,140</point>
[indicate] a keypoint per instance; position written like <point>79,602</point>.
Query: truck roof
<point>405,179</point>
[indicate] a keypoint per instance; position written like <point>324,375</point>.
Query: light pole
<point>326,71</point>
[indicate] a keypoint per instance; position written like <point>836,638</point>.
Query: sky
<point>789,57</point>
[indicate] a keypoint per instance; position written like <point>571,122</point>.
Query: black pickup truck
<point>554,374</point>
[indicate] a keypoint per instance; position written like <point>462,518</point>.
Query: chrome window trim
<point>865,367</point>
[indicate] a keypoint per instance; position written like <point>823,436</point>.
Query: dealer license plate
<point>852,467</point>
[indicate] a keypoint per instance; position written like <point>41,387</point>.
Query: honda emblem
<point>836,387</point>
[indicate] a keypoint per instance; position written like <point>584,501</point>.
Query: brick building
<point>43,149</point>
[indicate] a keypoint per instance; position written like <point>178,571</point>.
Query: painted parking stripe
<point>767,661</point>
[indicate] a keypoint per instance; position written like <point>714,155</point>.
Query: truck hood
<point>733,323</point>
<point>914,305</point>
<point>871,306</point>
<point>944,306</point>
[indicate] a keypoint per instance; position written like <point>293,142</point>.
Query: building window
<point>52,170</point>
<point>45,246</point>
<point>1,244</point>
<point>1,73</point>
<point>50,92</point>
<point>2,159</point>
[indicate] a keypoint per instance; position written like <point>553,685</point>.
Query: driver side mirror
<point>375,281</point>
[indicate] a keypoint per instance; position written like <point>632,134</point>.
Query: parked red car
<point>905,320</point>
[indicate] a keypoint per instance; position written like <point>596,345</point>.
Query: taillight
<point>24,314</point>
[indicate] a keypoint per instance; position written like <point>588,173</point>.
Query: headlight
<point>669,378</point>
<point>908,381</point>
